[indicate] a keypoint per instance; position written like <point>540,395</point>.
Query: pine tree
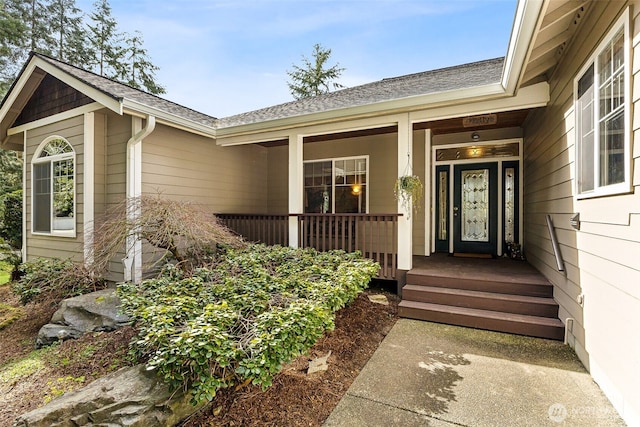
<point>140,71</point>
<point>313,78</point>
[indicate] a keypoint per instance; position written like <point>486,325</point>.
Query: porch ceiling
<point>505,119</point>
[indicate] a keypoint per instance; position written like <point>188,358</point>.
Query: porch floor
<point>495,294</point>
<point>504,269</point>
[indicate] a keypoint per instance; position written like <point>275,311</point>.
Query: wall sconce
<point>356,189</point>
<point>475,136</point>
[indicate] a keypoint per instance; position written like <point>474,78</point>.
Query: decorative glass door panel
<point>475,205</point>
<point>475,208</point>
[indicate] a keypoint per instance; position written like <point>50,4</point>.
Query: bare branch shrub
<point>180,231</point>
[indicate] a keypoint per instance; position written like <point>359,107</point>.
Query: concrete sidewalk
<point>428,374</point>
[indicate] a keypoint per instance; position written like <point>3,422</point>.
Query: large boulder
<point>131,396</point>
<point>94,312</point>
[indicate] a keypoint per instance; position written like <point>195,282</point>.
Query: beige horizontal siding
<point>188,167</point>
<point>601,260</point>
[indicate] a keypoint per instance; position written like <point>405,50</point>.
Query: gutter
<point>133,256</point>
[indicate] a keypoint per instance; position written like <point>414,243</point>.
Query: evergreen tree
<point>10,172</point>
<point>70,35</point>
<point>140,71</point>
<point>12,40</point>
<point>312,78</point>
<point>105,42</point>
<point>36,17</point>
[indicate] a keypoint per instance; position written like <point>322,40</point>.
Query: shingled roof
<point>428,82</point>
<point>121,91</point>
<point>441,80</point>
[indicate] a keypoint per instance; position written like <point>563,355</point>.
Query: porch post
<point>296,171</point>
<point>426,205</point>
<point>405,222</point>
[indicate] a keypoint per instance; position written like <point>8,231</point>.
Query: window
<point>53,205</point>
<point>602,108</point>
<point>336,185</point>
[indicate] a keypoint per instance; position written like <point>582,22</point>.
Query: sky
<point>224,57</point>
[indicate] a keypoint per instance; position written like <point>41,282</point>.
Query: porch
<point>374,235</point>
<point>497,294</point>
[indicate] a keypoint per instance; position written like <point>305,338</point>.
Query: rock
<point>379,299</point>
<point>51,333</point>
<point>318,364</point>
<point>131,396</point>
<point>94,312</point>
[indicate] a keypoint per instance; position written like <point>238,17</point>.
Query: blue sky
<point>223,57</point>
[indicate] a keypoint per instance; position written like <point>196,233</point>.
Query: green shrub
<point>11,220</point>
<point>53,279</point>
<point>239,320</point>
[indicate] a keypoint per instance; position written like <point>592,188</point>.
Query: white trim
<point>88,190</point>
<point>627,185</point>
<point>24,197</point>
<point>529,97</point>
<point>428,185</point>
<point>526,23</point>
<point>333,161</point>
<point>296,185</point>
<point>79,111</point>
<point>405,222</point>
<point>35,159</point>
<point>499,162</point>
<point>432,100</point>
<point>93,93</point>
<point>141,110</point>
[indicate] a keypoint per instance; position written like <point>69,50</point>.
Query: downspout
<point>133,256</point>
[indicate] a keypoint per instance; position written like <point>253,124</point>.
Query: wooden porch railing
<point>263,228</point>
<point>375,235</point>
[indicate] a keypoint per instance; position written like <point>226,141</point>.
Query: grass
<point>5,272</point>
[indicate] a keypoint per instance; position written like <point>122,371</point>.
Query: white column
<point>88,179</point>
<point>296,186</point>
<point>428,177</point>
<point>405,222</point>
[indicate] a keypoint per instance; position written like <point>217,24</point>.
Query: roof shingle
<point>121,91</point>
<point>428,82</point>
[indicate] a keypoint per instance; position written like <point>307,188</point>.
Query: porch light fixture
<point>475,136</point>
<point>356,189</point>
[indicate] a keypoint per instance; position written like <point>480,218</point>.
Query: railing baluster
<point>375,235</point>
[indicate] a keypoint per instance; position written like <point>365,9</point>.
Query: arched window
<point>53,189</point>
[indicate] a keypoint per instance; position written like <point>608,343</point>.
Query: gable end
<point>51,97</point>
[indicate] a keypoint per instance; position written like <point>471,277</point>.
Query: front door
<point>475,208</point>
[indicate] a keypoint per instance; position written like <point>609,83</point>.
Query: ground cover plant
<point>239,320</point>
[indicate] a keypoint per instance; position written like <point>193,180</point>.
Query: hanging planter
<point>408,190</point>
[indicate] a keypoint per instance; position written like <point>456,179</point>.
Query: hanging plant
<point>408,190</point>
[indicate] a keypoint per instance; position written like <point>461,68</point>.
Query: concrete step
<point>527,286</point>
<point>535,326</point>
<point>493,301</point>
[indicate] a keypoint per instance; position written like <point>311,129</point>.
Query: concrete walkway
<point>428,374</point>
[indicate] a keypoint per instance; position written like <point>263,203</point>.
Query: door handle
<point>455,211</point>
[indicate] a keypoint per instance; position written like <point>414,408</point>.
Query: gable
<point>51,97</point>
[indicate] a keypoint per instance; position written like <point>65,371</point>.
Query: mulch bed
<point>295,399</point>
